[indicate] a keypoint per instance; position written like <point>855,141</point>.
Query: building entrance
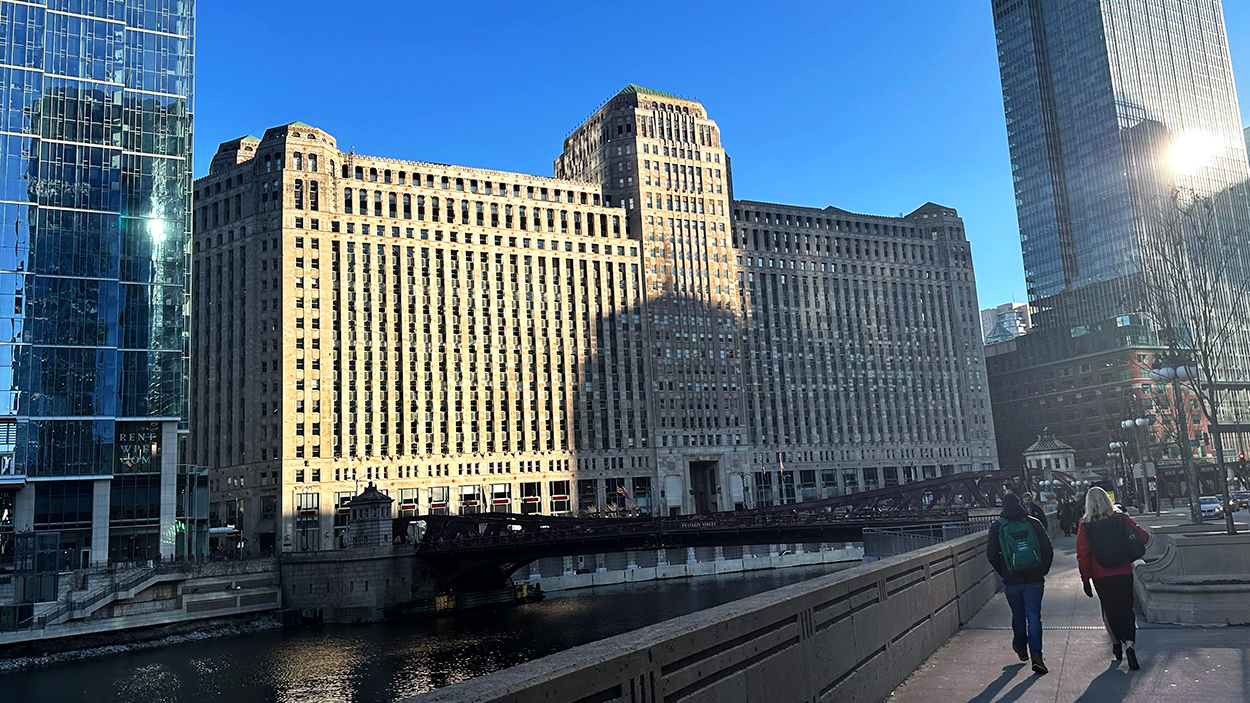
<point>703,483</point>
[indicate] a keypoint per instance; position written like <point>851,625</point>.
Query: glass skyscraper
<point>95,168</point>
<point>1112,106</point>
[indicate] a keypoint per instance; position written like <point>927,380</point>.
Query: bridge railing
<point>451,533</point>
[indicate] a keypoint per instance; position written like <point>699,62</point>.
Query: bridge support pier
<point>720,553</point>
<point>690,557</point>
<point>568,566</point>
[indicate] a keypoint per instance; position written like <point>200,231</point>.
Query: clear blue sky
<point>874,106</point>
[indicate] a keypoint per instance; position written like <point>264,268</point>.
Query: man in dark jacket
<point>1035,510</point>
<point>1024,577</point>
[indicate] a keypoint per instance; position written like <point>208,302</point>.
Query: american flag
<point>621,490</point>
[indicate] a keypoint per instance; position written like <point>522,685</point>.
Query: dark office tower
<point>1112,106</point>
<point>95,162</point>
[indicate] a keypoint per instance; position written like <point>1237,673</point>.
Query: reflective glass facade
<point>1111,106</point>
<point>95,168</point>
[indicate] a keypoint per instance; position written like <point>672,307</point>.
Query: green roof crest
<point>635,88</point>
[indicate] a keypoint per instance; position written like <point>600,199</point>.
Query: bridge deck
<point>1211,665</point>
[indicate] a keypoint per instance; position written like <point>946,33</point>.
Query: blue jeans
<point>1025,600</point>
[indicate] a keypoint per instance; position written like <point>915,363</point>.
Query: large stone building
<point>625,336</point>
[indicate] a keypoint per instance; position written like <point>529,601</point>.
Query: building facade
<point>624,337</point>
<point>96,145</point>
<point>1006,321</point>
<point>1082,401</point>
<point>1118,112</point>
<point>1112,107</point>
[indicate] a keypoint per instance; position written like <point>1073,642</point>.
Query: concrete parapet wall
<point>849,636</point>
<point>1196,579</point>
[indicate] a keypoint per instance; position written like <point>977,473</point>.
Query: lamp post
<point>1126,473</point>
<point>1138,427</point>
<point>1116,460</point>
<point>1176,373</point>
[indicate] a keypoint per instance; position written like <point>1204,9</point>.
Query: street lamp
<point>1176,374</point>
<point>1119,450</point>
<point>1138,427</point>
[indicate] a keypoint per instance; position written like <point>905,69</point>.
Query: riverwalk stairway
<point>1178,664</point>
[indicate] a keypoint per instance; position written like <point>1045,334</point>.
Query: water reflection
<point>384,662</point>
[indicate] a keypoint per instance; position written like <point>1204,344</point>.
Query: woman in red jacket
<point>1100,556</point>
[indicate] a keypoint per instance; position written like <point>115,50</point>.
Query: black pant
<point>1115,593</point>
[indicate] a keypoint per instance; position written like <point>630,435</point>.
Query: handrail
<point>124,583</point>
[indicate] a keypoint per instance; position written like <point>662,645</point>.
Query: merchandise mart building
<point>623,337</point>
<point>95,142</point>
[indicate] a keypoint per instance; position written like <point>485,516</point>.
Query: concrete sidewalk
<point>1202,665</point>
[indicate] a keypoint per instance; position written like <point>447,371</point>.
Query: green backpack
<point>1018,542</point>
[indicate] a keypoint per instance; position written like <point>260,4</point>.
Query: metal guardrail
<point>881,542</point>
<point>449,534</point>
<point>98,594</point>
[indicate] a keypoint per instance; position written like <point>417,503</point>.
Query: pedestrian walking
<point>1067,517</point>
<point>1035,509</point>
<point>1107,544</point>
<point>1020,551</point>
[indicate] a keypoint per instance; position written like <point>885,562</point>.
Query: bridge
<point>481,551</point>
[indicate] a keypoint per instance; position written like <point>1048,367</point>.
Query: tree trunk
<point>1217,435</point>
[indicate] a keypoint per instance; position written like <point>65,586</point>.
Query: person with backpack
<point>1107,544</point>
<point>1020,551</point>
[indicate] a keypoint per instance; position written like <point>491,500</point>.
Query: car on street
<point>1242,499</point>
<point>1211,506</point>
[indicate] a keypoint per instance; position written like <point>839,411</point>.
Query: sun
<point>1193,151</point>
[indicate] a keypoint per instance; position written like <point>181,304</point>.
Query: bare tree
<point>1194,285</point>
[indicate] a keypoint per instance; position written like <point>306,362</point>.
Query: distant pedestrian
<point>1107,544</point>
<point>1020,551</point>
<point>1067,517</point>
<point>1035,510</point>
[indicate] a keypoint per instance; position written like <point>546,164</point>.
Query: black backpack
<point>1114,542</point>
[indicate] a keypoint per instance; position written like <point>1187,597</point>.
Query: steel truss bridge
<point>472,552</point>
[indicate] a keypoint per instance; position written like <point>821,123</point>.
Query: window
<point>559,497</point>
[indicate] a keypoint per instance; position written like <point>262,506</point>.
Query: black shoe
<point>1039,666</point>
<point>1117,651</point>
<point>1023,653</point>
<point>1132,659</point>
